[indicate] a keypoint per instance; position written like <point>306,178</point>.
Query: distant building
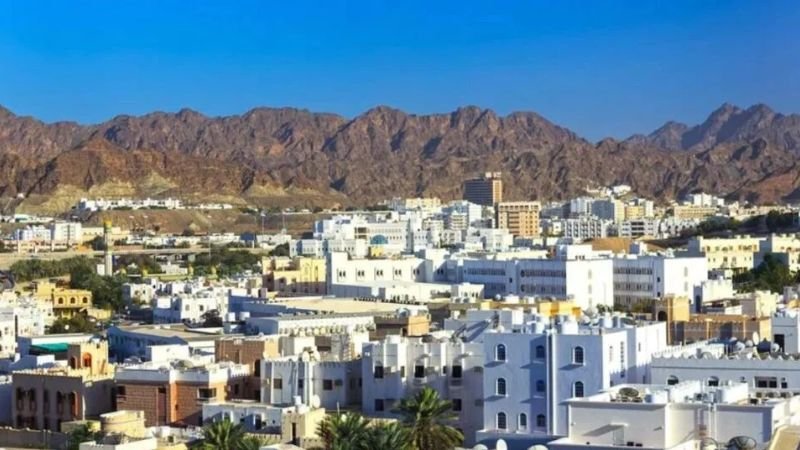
<point>486,190</point>
<point>519,218</point>
<point>296,276</point>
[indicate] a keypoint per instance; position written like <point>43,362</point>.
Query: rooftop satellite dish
<point>742,443</point>
<point>480,447</point>
<point>537,447</point>
<point>501,445</point>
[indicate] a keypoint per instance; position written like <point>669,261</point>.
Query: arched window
<point>577,389</point>
<point>523,421</point>
<point>540,386</point>
<point>713,381</point>
<point>540,352</point>
<point>501,421</point>
<point>672,379</point>
<point>577,355</point>
<point>541,421</point>
<point>500,352</point>
<point>500,386</point>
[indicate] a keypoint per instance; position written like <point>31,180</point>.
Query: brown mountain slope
<point>275,155</point>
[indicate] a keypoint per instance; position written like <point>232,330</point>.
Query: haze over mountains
<point>284,156</point>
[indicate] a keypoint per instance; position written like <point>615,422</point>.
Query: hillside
<point>295,157</point>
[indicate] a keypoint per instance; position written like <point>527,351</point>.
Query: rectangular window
<point>327,385</point>
<point>121,391</point>
<point>419,371</point>
<point>456,372</point>
<point>456,404</point>
<point>378,371</point>
<point>277,383</point>
<point>379,404</point>
<point>206,393</point>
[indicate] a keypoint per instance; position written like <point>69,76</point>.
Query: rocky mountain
<point>291,156</point>
<point>728,124</point>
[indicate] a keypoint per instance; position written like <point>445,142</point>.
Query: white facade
<point>396,367</point>
<point>674,417</point>
<point>190,307</point>
<point>529,374</point>
<point>334,383</point>
<point>587,228</point>
<point>644,277</point>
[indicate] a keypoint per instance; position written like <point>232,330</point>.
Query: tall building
<point>485,191</point>
<point>519,218</point>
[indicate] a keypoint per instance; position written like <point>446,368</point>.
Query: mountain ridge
<point>741,153</point>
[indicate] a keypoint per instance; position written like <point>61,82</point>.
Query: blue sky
<point>608,68</point>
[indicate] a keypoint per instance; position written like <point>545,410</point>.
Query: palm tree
<point>251,443</point>
<point>223,435</point>
<point>346,431</point>
<point>427,419</point>
<point>391,436</point>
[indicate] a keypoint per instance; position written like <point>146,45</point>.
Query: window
<point>206,393</point>
<point>379,404</point>
<point>456,404</point>
<point>577,389</point>
<point>541,421</point>
<point>121,391</point>
<point>672,380</point>
<point>577,355</point>
<point>501,421</point>
<point>378,371</point>
<point>540,386</point>
<point>277,383</point>
<point>523,421</point>
<point>301,383</point>
<point>766,382</point>
<point>713,381</point>
<point>327,385</point>
<point>540,352</point>
<point>419,371</point>
<point>500,352</point>
<point>500,386</point>
<point>456,373</point>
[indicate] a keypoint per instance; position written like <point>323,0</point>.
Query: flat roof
<point>345,305</point>
<point>178,330</point>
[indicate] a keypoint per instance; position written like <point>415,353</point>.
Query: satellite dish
<point>480,447</point>
<point>315,401</point>
<point>501,445</point>
<point>742,443</point>
<point>537,447</point>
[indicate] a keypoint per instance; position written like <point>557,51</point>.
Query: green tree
<point>280,250</point>
<point>222,435</point>
<point>75,324</point>
<point>391,436</point>
<point>79,435</point>
<point>344,431</point>
<point>771,275</point>
<point>427,418</point>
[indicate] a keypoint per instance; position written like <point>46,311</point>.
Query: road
<point>7,259</point>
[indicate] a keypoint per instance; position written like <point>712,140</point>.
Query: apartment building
<point>685,212</point>
<point>190,306</point>
<point>44,398</point>
<point>486,190</point>
<point>396,367</point>
<point>734,254</point>
<point>784,247</point>
<point>250,351</point>
<point>332,382</point>
<point>681,415</point>
<point>519,218</point>
<point>295,276</point>
<point>529,374</point>
<point>584,228</point>
<point>645,277</point>
<point>173,393</point>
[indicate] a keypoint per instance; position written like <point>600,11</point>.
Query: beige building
<point>295,276</point>
<point>633,212</point>
<point>248,350</point>
<point>486,190</point>
<point>685,327</point>
<point>44,398</point>
<point>401,325</point>
<point>519,218</point>
<point>685,212</point>
<point>66,302</point>
<point>736,254</point>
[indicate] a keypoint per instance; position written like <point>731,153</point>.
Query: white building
<point>190,306</point>
<point>587,228</point>
<point>68,232</point>
<point>784,247</point>
<point>683,416</point>
<point>396,367</point>
<point>645,277</point>
<point>529,374</point>
<point>334,382</point>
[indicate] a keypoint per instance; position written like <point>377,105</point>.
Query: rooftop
<point>177,330</point>
<point>344,305</point>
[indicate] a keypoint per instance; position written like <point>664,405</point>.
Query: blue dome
<point>378,239</point>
